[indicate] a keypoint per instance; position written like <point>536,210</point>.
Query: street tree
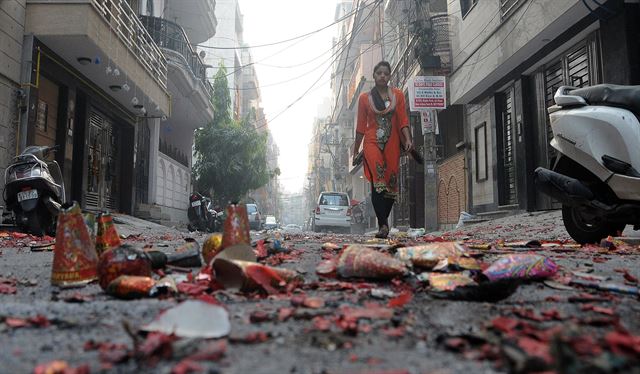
<point>230,154</point>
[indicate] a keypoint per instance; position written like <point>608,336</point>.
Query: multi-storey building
<point>176,27</point>
<point>225,47</point>
<point>107,82</point>
<point>509,57</point>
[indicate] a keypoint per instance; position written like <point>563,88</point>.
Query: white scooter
<point>596,131</point>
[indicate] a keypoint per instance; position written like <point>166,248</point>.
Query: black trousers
<point>382,206</point>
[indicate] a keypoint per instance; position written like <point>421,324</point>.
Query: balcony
<point>108,35</point>
<point>188,84</point>
<point>197,17</point>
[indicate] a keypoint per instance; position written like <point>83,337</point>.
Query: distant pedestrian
<point>383,123</point>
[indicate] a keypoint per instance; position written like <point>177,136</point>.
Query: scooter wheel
<point>587,231</point>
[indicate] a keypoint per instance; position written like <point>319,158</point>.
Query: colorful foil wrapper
<point>236,226</point>
<point>124,260</point>
<point>250,276</point>
<point>429,255</point>
<point>211,247</point>
<point>107,237</point>
<point>521,266</point>
<point>448,282</point>
<point>362,262</point>
<point>130,287</point>
<point>74,257</point>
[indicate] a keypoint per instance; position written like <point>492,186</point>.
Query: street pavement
<point>330,325</point>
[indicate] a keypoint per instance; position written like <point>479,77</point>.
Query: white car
<point>333,212</point>
<point>270,223</point>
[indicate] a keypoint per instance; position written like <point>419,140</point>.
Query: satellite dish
<point>203,54</point>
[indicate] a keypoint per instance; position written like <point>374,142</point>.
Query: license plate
<point>27,195</point>
<point>196,203</point>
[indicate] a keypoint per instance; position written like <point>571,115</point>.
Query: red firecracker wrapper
<point>250,276</point>
<point>236,226</point>
<point>521,266</point>
<point>130,287</point>
<point>107,237</point>
<point>363,262</point>
<point>75,259</point>
<point>123,260</point>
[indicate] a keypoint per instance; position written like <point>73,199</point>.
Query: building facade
<point>177,27</point>
<point>509,58</point>
<point>104,80</point>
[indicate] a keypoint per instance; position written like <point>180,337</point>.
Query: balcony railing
<point>171,36</point>
<point>125,23</point>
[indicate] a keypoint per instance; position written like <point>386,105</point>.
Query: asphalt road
<point>541,326</point>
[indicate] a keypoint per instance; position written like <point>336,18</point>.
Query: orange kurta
<point>381,166</point>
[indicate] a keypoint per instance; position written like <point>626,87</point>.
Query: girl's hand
<point>408,144</point>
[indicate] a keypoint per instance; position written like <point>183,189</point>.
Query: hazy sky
<point>267,21</point>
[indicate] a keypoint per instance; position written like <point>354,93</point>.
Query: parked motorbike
<point>34,190</point>
<point>596,132</point>
<point>202,216</point>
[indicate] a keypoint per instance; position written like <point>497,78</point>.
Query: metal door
<point>103,166</point>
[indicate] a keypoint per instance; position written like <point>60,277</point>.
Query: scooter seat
<point>627,97</point>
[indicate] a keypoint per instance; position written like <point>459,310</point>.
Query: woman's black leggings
<point>382,206</point>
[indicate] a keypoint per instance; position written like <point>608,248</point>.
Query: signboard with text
<point>427,92</point>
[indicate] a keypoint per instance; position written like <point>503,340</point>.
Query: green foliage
<point>230,155</point>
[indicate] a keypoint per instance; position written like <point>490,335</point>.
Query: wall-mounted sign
<point>427,92</point>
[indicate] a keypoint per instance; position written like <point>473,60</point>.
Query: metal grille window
<point>507,7</point>
<point>508,197</point>
<point>577,68</point>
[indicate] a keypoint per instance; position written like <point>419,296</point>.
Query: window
<point>482,173</point>
<point>334,199</point>
<point>507,7</point>
<point>466,5</point>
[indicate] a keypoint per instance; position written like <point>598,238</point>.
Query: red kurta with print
<point>381,165</point>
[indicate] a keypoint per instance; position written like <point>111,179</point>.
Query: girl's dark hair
<point>381,64</point>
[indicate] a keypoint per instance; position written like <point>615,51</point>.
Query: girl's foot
<point>383,232</point>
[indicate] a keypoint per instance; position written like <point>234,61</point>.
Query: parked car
<point>292,229</point>
<point>332,212</point>
<point>255,220</point>
<point>270,223</point>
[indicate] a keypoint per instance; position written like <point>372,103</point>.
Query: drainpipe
<point>28,65</point>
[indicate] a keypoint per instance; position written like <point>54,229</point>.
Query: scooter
<point>596,131</point>
<point>202,216</point>
<point>34,190</point>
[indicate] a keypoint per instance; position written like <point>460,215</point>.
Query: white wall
<point>173,183</point>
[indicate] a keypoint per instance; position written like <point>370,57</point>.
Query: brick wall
<point>452,194</point>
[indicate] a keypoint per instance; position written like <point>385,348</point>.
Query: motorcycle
<point>34,190</point>
<point>596,132</point>
<point>202,216</point>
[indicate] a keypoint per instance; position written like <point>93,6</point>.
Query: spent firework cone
<point>107,237</point>
<point>75,259</point>
<point>363,262</point>
<point>249,276</point>
<point>236,226</point>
